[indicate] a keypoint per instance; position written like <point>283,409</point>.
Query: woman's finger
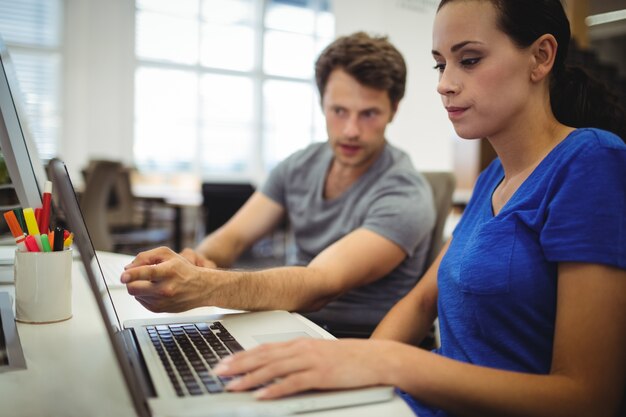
<point>292,384</point>
<point>268,373</point>
<point>250,360</point>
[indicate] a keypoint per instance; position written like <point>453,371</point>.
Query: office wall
<point>98,89</point>
<point>421,126</point>
<point>99,78</point>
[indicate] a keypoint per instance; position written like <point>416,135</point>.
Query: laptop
<point>166,362</point>
<point>112,265</point>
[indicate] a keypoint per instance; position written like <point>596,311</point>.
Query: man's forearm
<point>219,248</point>
<point>285,288</point>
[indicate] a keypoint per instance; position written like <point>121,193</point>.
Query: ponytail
<point>578,100</point>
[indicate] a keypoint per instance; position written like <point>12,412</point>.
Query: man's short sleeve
<point>403,210</point>
<point>274,186</point>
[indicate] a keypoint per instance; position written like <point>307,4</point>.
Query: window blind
<point>31,29</point>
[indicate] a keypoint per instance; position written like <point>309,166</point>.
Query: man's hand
<point>197,259</point>
<point>162,280</point>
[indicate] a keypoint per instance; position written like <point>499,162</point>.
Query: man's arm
<point>164,281</point>
<point>256,218</point>
<point>410,320</point>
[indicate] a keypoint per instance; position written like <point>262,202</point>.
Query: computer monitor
<point>26,170</point>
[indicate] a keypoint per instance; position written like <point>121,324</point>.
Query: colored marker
<point>31,244</point>
<point>58,239</point>
<point>45,243</point>
<point>44,220</point>
<point>68,242</point>
<point>16,230</point>
<point>38,216</point>
<point>33,228</point>
<point>20,218</point>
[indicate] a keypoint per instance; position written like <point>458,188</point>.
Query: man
<point>361,215</point>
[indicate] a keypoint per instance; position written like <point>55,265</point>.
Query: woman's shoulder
<point>591,138</point>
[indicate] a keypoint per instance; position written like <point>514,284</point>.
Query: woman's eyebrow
<point>457,46</point>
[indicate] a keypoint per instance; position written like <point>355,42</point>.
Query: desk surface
<point>71,367</point>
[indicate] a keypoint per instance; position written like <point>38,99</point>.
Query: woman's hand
<point>306,364</point>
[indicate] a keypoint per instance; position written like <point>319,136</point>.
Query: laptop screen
<point>62,186</point>
<point>121,345</point>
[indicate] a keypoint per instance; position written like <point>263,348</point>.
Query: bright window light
<point>224,89</point>
<point>602,18</point>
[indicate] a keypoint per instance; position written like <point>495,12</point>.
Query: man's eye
<point>369,114</point>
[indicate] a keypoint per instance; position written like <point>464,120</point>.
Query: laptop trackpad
<point>279,337</point>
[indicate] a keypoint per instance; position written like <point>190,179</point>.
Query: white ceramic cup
<point>43,286</point>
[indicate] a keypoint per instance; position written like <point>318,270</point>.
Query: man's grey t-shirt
<point>391,199</point>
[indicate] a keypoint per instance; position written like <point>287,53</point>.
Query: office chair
<point>122,209</point>
<point>107,194</point>
<point>221,201</point>
<point>442,185</point>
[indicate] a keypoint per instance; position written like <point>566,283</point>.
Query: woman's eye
<point>440,67</point>
<point>469,62</point>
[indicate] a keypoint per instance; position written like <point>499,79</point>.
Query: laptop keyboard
<point>189,351</point>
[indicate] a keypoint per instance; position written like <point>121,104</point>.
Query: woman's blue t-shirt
<point>498,280</point>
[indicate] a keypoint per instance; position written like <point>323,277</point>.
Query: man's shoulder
<point>398,165</point>
<point>306,157</point>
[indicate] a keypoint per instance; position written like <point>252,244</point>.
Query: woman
<point>531,290</point>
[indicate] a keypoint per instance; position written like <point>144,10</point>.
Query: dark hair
<point>577,99</point>
<point>372,61</point>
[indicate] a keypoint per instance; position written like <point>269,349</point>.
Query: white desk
<point>72,370</point>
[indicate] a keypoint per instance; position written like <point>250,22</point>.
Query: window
<point>31,29</point>
<point>225,88</point>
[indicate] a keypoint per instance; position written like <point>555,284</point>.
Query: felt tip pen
<point>20,218</point>
<point>45,243</point>
<point>33,228</point>
<point>31,244</point>
<point>44,219</point>
<point>68,242</point>
<point>58,239</point>
<point>16,230</point>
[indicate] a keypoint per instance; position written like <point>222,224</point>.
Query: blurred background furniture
<point>114,217</point>
<point>172,200</point>
<point>220,201</point>
<point>443,185</point>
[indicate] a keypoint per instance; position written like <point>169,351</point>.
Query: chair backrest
<point>121,207</point>
<point>222,200</point>
<point>95,199</point>
<point>442,184</point>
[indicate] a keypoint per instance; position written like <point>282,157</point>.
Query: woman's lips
<point>455,112</point>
